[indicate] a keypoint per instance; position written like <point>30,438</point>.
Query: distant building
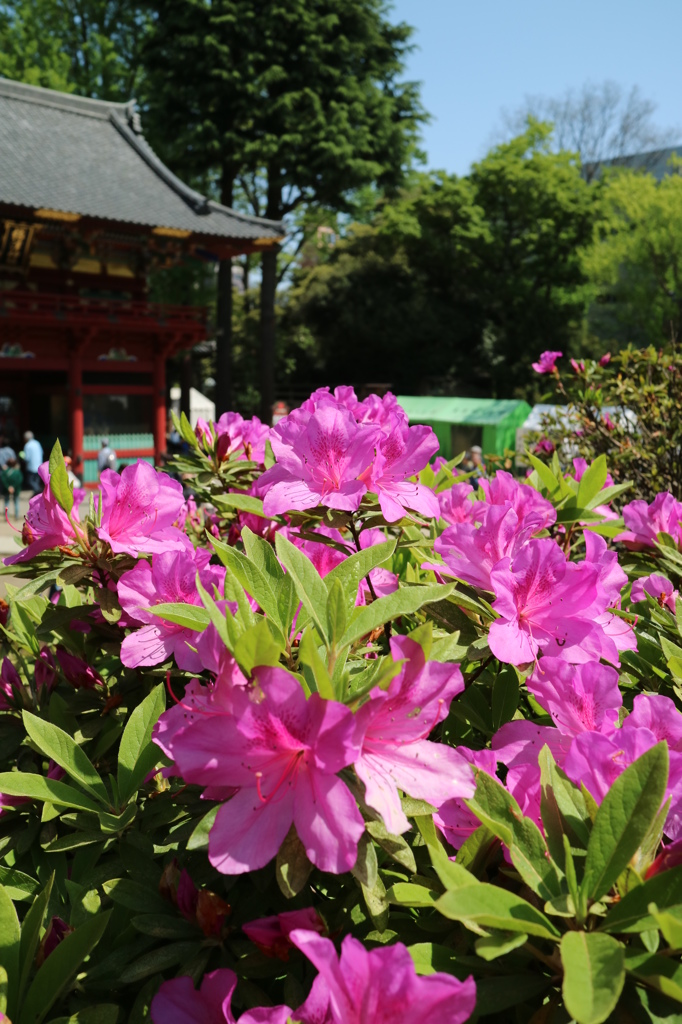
<point>87,209</point>
<point>656,162</point>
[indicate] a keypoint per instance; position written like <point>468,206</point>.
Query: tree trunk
<point>223,334</point>
<point>268,325</point>
<point>268,333</point>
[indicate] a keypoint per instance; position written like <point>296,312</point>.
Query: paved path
<point>7,535</point>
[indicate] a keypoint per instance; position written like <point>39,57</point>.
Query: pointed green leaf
<point>489,947</point>
<point>137,754</point>
<point>631,913</point>
<point>336,612</point>
<point>482,906</point>
<point>670,923</point>
<point>189,616</point>
<point>592,481</point>
<point>594,975</point>
<point>30,935</point>
<point>10,942</point>
<point>257,646</point>
<point>310,587</point>
<point>47,790</point>
<point>497,809</point>
<point>404,601</point>
<point>59,480</point>
<point>309,655</point>
<point>58,745</point>
<point>623,820</point>
<point>57,972</point>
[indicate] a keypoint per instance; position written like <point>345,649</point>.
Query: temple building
<point>87,211</point>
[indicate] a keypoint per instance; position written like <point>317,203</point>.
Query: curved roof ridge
<point>64,100</point>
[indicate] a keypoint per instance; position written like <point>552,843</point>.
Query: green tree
<point>539,212</point>
<point>457,283</point>
<point>635,261</point>
<point>297,104</point>
<point>91,47</point>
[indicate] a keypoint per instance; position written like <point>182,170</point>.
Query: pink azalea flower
<point>242,438</point>
<point>455,504</point>
<point>203,432</point>
<point>546,363</point>
<point>283,752</point>
<point>47,524</point>
<point>659,714</point>
<point>171,578</point>
<point>540,600</point>
<point>178,1002</point>
<point>402,454</point>
<point>384,412</point>
<point>644,522</point>
<point>395,751</point>
<point>380,985</point>
<point>78,672</point>
<point>578,366</point>
<point>471,552</point>
<point>56,931</point>
<point>579,698</point>
<point>544,447</point>
<point>139,507</point>
<point>271,934</point>
<point>658,587</point>
<point>384,581</point>
<point>503,489</point>
<point>517,745</point>
<point>605,359</point>
<point>11,686</point>
<point>608,422</point>
<point>45,670</point>
<point>320,457</point>
<point>669,857</point>
<point>454,818</point>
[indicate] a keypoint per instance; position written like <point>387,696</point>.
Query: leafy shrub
<point>341,739</point>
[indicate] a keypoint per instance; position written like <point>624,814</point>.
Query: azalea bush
<point>341,738</point>
<point>626,407</point>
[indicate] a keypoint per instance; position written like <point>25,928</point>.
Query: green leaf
<point>489,947</point>
<point>592,481</point>
<point>336,612</point>
<point>30,935</point>
<point>404,601</point>
<point>292,867</point>
<point>310,587</point>
<point>243,502</point>
<point>157,960</point>
<point>257,646</point>
<point>356,566</point>
<point>623,820</point>
<point>407,894</point>
<point>36,787</point>
<point>57,972</point>
<point>252,577</point>
<point>10,942</point>
<point>631,914</point>
<point>547,477</point>
<point>137,754</point>
<point>189,616</point>
<point>395,846</point>
<point>59,480</point>
<point>309,655</point>
<point>497,809</point>
<point>16,884</point>
<point>134,896</point>
<point>377,903</point>
<point>58,745</point>
<point>451,874</point>
<point>670,923</point>
<point>505,697</point>
<point>199,837</point>
<point>482,906</point>
<point>594,975</point>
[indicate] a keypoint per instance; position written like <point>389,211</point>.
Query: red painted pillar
<point>159,405</point>
<point>76,408</point>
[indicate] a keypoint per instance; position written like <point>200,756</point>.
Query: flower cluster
<point>332,745</point>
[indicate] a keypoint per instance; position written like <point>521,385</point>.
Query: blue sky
<point>476,57</point>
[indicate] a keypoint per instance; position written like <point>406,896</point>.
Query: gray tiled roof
<point>77,155</point>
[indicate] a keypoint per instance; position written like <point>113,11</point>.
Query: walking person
<point>106,457</point>
<point>33,457</point>
<point>11,480</point>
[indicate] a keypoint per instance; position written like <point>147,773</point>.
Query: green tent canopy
<point>459,423</point>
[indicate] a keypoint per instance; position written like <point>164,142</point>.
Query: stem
<point>468,680</point>
<point>356,538</point>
